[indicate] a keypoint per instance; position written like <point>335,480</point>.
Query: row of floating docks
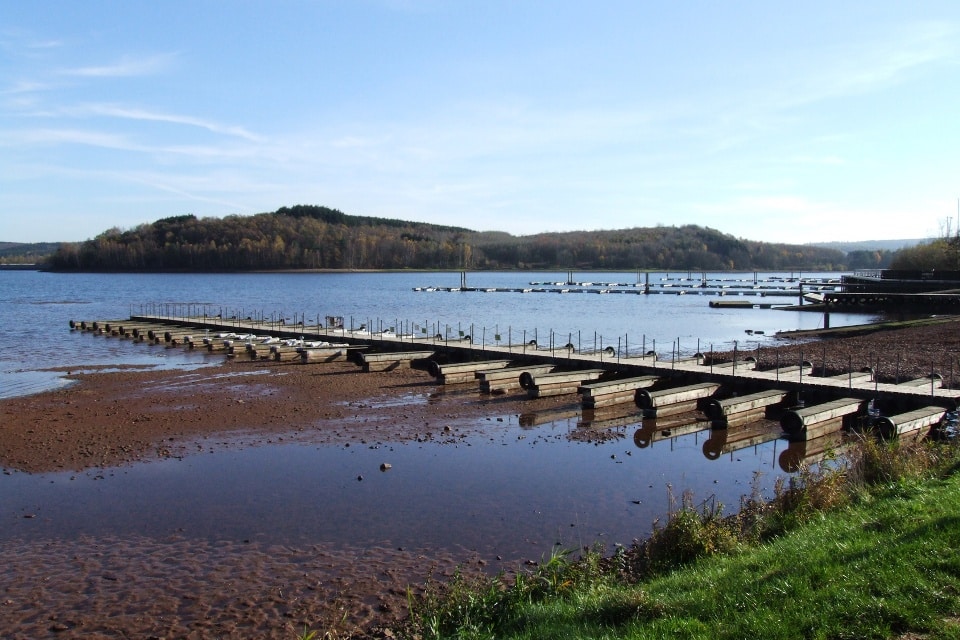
<point>677,286</point>
<point>641,291</point>
<point>659,396</point>
<point>692,395</point>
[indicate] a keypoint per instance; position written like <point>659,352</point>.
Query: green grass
<point>885,564</point>
<point>876,570</point>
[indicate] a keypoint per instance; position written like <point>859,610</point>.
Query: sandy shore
<point>177,588</point>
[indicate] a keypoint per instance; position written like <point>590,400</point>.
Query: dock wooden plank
<point>388,361</point>
<point>665,402</point>
<point>753,403</point>
<point>747,364</point>
<point>933,382</point>
<point>818,420</point>
<point>557,383</point>
<point>615,386</point>
<point>508,378</point>
<point>854,377</point>
<point>793,371</point>
<point>909,422</point>
<point>611,392</point>
<point>322,354</point>
<point>460,372</point>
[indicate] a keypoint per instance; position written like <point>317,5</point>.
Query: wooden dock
<point>809,407</point>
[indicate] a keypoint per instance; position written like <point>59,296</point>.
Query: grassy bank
<point>881,569</point>
<point>868,549</point>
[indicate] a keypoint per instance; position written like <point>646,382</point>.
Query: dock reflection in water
<point>668,429</point>
<point>807,453</point>
<point>730,439</point>
<point>520,485</point>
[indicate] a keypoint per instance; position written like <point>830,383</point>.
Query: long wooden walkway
<point>454,350</point>
<point>732,395</point>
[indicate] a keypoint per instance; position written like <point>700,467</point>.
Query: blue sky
<point>787,122</point>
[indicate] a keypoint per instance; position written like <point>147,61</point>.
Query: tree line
<point>316,237</point>
<point>939,254</point>
<point>22,253</point>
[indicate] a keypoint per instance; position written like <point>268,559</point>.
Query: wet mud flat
<point>174,584</point>
<point>177,588</point>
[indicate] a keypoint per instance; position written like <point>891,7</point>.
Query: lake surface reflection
<point>520,486</point>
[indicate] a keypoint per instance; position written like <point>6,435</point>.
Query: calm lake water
<point>516,490</point>
<point>38,307</point>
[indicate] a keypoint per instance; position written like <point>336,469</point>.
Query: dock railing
<point>636,348</point>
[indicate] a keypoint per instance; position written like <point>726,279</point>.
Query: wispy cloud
<point>858,68</point>
<point>25,86</point>
<point>23,43</point>
<point>165,184</point>
<point>57,136</point>
<point>45,44</point>
<point>779,93</point>
<point>919,44</point>
<point>26,138</point>
<point>127,66</point>
<point>132,113</point>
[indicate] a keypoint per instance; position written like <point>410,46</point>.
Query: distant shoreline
<point>21,267</point>
<point>798,273</point>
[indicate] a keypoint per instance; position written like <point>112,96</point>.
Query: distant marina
<point>707,285</point>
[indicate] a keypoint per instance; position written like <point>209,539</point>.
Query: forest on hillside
<point>316,237</point>
<point>21,253</point>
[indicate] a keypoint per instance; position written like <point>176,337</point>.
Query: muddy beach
<point>894,354</point>
<point>106,419</point>
<point>177,586</point>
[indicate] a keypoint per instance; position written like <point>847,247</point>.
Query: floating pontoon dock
<point>731,394</point>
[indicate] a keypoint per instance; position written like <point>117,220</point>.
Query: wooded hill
<point>315,237</point>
